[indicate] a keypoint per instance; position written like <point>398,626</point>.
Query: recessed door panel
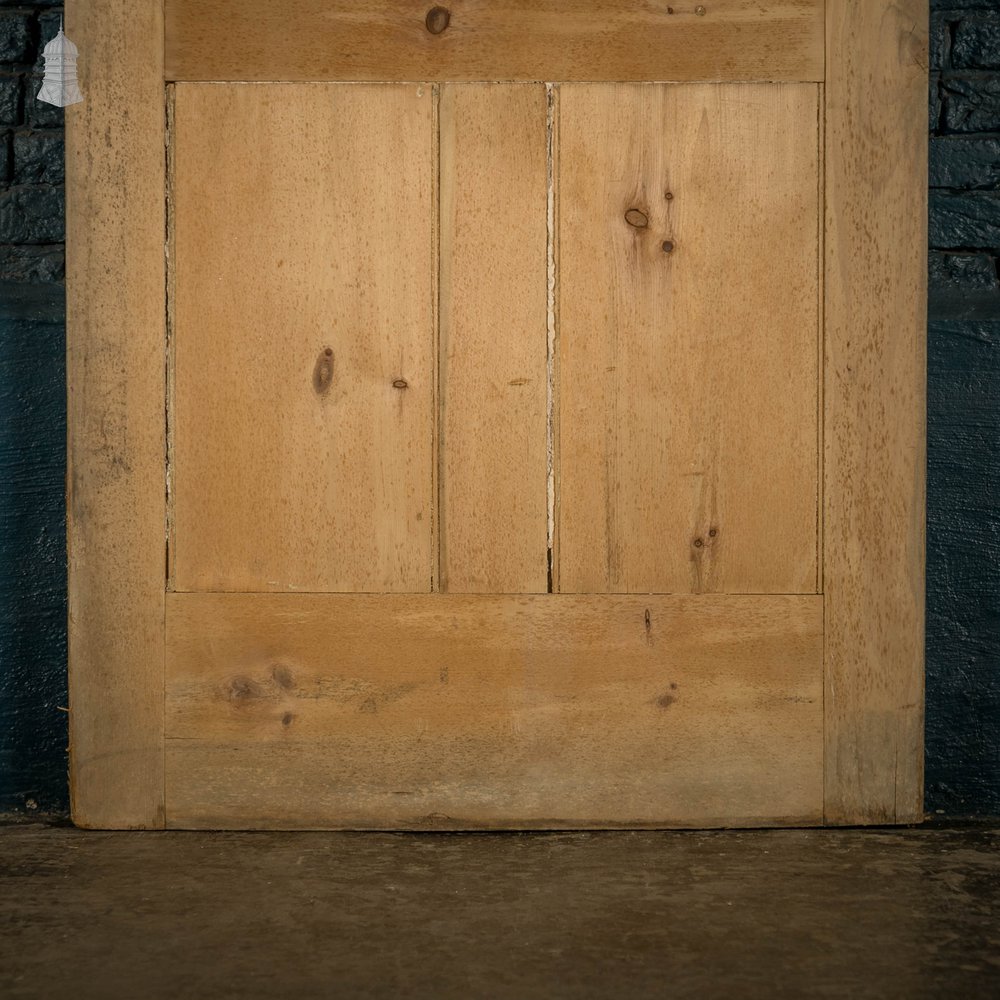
<point>689,338</point>
<point>302,337</point>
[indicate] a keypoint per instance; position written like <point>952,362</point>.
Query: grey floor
<point>824,913</point>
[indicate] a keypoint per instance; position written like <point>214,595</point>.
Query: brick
<point>48,26</point>
<point>16,43</point>
<point>964,220</point>
<point>960,7</point>
<point>934,103</point>
<point>965,162</point>
<point>49,20</point>
<point>32,215</point>
<point>35,264</point>
<point>10,100</point>
<point>39,158</point>
<point>940,42</point>
<point>972,104</point>
<point>973,272</point>
<point>37,113</point>
<point>963,346</point>
<point>977,42</point>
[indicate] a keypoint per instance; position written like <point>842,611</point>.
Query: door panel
<point>446,711</point>
<point>464,311</point>
<point>303,337</point>
<point>689,338</point>
<point>493,338</point>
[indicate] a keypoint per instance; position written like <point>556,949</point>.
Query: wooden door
<point>507,416</point>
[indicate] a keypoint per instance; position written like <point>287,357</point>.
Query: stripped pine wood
<point>688,332</point>
<point>876,190</point>
<point>317,415</point>
<point>443,711</point>
<point>493,338</point>
<point>303,337</point>
<point>115,397</point>
<point>494,40</point>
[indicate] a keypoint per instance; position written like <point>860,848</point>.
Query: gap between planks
<point>168,361</point>
<point>437,423</point>
<point>551,117</point>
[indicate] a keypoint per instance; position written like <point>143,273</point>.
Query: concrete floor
<point>793,913</point>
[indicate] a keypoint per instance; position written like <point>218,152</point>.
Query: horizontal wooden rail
<point>494,40</point>
<point>458,711</point>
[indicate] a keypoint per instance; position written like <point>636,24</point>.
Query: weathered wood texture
<point>491,40</point>
<point>688,298</point>
<point>874,426</point>
<point>442,711</point>
<point>302,419</point>
<point>493,338</point>
<point>115,385</point>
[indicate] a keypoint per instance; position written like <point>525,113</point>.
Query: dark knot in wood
<point>637,219</point>
<point>437,19</point>
<point>323,372</point>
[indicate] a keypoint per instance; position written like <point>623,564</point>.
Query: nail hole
<point>713,532</point>
<point>670,10</point>
<point>668,246</point>
<point>400,383</point>
<point>700,11</point>
<point>669,195</point>
<point>329,352</point>
<point>437,19</point>
<point>636,218</point>
<point>698,543</point>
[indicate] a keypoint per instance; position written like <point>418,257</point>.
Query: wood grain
<point>115,387</point>
<point>493,338</point>
<point>688,330</point>
<point>491,40</point>
<point>303,337</point>
<point>876,189</point>
<point>441,710</point>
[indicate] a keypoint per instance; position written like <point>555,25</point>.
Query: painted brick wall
<point>32,204</point>
<point>963,532</point>
<point>963,411</point>
<point>32,423</point>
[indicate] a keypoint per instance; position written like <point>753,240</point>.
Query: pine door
<point>501,416</point>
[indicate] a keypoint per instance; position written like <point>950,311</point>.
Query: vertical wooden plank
<point>493,338</point>
<point>303,337</point>
<point>688,337</point>
<point>876,189</point>
<point>115,375</point>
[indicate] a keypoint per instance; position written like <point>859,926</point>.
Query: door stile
<point>876,315</point>
<point>116,341</point>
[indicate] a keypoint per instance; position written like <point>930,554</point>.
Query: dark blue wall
<point>963,530</point>
<point>963,411</point>
<point>32,423</point>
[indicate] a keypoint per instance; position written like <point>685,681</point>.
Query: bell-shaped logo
<point>59,86</point>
